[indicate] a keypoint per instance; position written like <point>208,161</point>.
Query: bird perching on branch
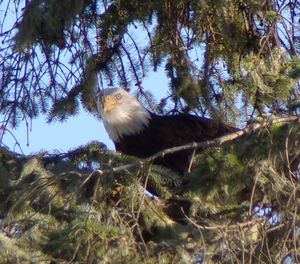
<point>136,131</point>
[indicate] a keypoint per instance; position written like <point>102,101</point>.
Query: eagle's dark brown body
<point>165,132</point>
<point>137,132</point>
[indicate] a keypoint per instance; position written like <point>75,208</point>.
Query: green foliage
<point>227,59</point>
<point>46,21</point>
<point>215,54</point>
<point>71,207</point>
<point>270,78</point>
<point>219,180</point>
<point>295,68</point>
<point>224,175</point>
<point>162,181</point>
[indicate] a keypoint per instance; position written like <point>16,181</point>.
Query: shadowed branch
<point>209,143</point>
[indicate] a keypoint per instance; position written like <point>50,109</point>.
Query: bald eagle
<point>136,131</point>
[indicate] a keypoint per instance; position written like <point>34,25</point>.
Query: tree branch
<point>209,143</point>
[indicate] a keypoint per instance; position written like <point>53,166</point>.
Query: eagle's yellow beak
<point>108,103</point>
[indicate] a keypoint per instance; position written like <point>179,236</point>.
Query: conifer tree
<point>236,61</point>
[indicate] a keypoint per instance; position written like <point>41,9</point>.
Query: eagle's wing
<point>170,131</point>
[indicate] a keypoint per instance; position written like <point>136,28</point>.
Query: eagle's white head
<point>121,113</point>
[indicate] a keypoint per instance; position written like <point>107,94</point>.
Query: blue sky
<point>76,131</point>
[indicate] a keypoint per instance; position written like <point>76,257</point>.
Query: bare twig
<point>191,161</point>
<point>227,227</point>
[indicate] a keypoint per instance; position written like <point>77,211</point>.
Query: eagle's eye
<point>100,95</point>
<point>118,96</point>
